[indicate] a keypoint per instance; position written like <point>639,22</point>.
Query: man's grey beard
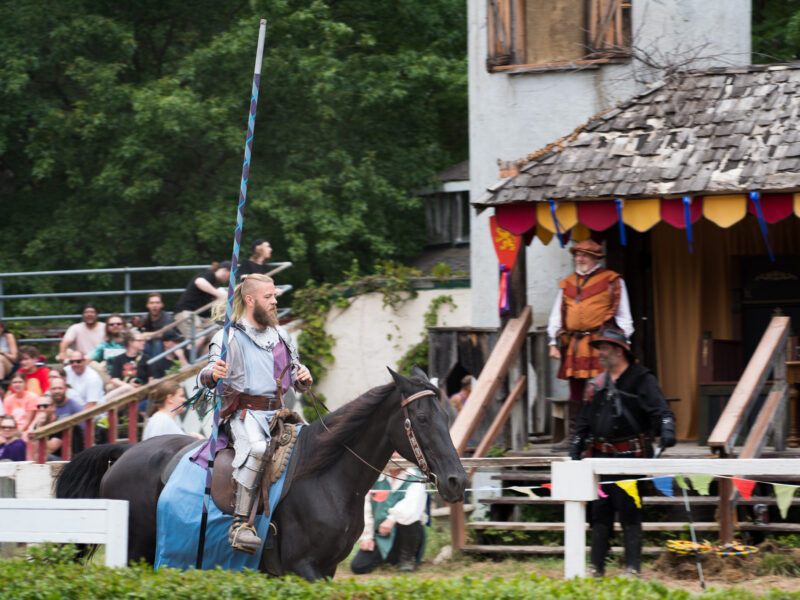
<point>264,317</point>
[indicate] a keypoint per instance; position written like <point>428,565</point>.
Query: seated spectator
<point>129,369</point>
<point>58,372</point>
<point>19,403</point>
<point>64,406</point>
<point>8,351</point>
<point>110,347</point>
<point>201,290</point>
<point>45,415</point>
<point>393,515</point>
<point>155,319</point>
<point>175,359</point>
<point>261,252</point>
<point>84,336</point>
<point>459,399</point>
<point>166,407</point>
<point>12,446</point>
<point>35,371</point>
<point>85,384</point>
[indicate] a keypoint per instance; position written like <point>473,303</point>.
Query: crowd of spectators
<point>97,361</point>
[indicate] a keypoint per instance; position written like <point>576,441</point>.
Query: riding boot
<point>600,536</point>
<point>632,539</point>
<point>563,446</point>
<point>243,536</point>
<point>408,542</point>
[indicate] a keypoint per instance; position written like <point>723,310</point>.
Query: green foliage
<point>776,31</point>
<point>34,580</point>
<point>418,353</point>
<point>779,564</point>
<point>443,271</point>
<point>122,126</point>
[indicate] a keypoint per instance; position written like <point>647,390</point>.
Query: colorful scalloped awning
<point>580,218</point>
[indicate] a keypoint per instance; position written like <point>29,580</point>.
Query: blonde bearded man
<point>260,357</point>
<point>588,299</point>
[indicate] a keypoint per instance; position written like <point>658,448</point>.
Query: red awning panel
<point>672,211</point>
<point>597,216</point>
<point>516,218</point>
<point>774,206</point>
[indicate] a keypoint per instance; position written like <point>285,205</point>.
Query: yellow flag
<point>629,485</point>
<point>524,490</point>
<point>784,495</point>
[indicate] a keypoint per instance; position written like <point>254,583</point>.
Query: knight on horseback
<point>256,374</point>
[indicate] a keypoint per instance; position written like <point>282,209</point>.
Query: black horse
<point>322,515</point>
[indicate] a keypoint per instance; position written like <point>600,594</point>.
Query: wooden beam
<point>499,420</point>
<point>489,380</point>
<point>755,374</point>
<point>765,424</point>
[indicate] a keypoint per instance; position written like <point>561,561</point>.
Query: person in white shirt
<point>85,384</point>
<point>166,406</point>
<point>84,336</point>
<point>393,513</point>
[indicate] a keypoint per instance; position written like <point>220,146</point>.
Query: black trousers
<point>602,519</point>
<point>408,540</point>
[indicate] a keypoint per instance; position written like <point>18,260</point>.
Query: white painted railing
<point>576,482</point>
<point>68,521</point>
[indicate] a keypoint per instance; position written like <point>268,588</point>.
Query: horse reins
<point>412,439</point>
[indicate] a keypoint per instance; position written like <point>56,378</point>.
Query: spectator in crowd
<point>458,399</point>
<point>261,252</point>
<point>85,383</point>
<point>155,319</point>
<point>12,446</point>
<point>32,366</point>
<point>111,346</point>
<point>64,406</point>
<point>84,336</point>
<point>201,290</point>
<point>166,406</point>
<point>129,369</point>
<point>176,358</point>
<point>45,415</point>
<point>19,403</point>
<point>393,513</point>
<point>8,351</point>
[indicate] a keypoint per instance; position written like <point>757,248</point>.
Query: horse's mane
<point>323,447</point>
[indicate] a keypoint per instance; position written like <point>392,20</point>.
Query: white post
<point>117,540</point>
<point>576,484</point>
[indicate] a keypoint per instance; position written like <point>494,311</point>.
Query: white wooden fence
<point>576,482</point>
<point>38,520</point>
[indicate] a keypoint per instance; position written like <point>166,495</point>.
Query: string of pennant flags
<point>784,492</point>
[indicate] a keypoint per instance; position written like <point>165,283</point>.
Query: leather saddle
<point>283,429</point>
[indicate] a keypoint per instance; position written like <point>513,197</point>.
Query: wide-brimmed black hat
<point>614,336</point>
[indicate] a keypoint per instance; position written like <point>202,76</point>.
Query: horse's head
<point>427,423</point>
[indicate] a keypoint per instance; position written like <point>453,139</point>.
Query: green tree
<point>776,31</point>
<point>122,129</point>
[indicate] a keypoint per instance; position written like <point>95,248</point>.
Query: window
<point>556,33</point>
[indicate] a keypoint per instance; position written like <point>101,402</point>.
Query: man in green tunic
<point>393,513</point>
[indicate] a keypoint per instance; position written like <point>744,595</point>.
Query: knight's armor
<point>257,364</point>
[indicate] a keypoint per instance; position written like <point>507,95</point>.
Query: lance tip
<point>263,21</point>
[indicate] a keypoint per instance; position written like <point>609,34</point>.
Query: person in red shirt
<point>36,375</point>
<point>19,403</point>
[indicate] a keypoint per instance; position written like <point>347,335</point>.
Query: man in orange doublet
<point>589,298</point>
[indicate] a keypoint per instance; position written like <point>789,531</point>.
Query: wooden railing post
<point>458,527</point>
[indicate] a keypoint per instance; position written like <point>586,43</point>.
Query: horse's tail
<point>80,478</point>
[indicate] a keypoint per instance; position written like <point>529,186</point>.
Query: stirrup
<point>249,546</point>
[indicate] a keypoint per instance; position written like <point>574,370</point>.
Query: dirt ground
<point>674,571</point>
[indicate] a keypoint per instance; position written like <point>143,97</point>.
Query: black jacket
<point>640,410</point>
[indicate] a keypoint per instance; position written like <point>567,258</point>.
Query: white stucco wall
<point>514,115</point>
<point>370,337</point>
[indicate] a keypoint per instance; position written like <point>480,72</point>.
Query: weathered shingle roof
<point>711,132</point>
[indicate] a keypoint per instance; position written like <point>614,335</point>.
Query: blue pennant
<point>664,485</point>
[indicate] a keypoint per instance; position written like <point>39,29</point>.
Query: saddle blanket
<point>180,508</point>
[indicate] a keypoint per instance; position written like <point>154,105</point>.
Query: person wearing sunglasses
<point>12,446</point>
<point>111,347</point>
<point>85,384</point>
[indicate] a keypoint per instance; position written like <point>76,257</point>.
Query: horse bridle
<point>412,439</point>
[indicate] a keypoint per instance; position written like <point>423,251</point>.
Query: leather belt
<point>633,446</point>
<point>248,402</point>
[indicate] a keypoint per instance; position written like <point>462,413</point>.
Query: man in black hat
<point>623,409</point>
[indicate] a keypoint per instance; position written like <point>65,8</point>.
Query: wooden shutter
<point>505,32</point>
<point>609,26</point>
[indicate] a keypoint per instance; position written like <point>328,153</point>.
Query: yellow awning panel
<point>643,214</point>
<point>797,204</point>
<point>566,213</point>
<point>725,210</point>
<point>580,232</point>
<point>544,235</point>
